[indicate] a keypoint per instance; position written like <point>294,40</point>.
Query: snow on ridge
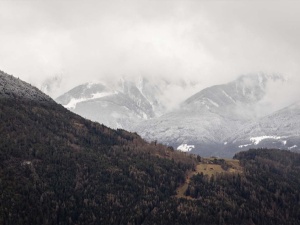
<point>139,85</point>
<point>10,84</point>
<point>228,96</point>
<point>242,146</point>
<point>102,94</point>
<point>294,146</point>
<point>74,101</point>
<point>257,140</point>
<point>185,147</point>
<point>212,102</point>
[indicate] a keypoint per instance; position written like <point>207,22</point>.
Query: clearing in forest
<point>209,166</point>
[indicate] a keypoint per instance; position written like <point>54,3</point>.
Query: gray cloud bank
<point>203,42</point>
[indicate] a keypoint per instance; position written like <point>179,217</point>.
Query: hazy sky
<point>210,42</point>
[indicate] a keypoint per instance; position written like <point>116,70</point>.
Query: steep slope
<point>208,118</point>
<point>58,168</point>
<point>117,106</point>
<point>12,88</point>
<point>278,130</point>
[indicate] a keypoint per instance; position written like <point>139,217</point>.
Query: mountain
<point>219,120</point>
<point>207,119</point>
<point>279,130</point>
<point>118,106</point>
<point>58,168</point>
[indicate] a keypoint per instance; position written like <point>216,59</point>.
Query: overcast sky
<point>209,42</point>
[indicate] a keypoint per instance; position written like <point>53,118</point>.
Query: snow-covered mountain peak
<point>210,117</point>
<point>81,93</point>
<point>277,130</point>
<point>247,89</point>
<point>229,113</point>
<point>117,104</point>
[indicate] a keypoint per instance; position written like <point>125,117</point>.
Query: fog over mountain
<point>181,47</point>
<point>216,119</point>
<point>219,120</point>
<point>119,105</point>
<point>279,129</point>
<point>149,112</point>
<point>57,45</point>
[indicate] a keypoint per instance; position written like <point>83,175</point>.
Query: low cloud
<point>203,42</point>
<point>279,94</point>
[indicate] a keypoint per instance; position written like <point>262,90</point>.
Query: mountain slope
<point>278,130</point>
<point>12,88</point>
<point>58,168</point>
<point>208,118</point>
<point>117,106</point>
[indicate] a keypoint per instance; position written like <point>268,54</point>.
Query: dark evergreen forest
<point>267,192</point>
<point>58,168</point>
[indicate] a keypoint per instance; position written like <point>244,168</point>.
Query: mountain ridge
<point>118,106</point>
<point>279,129</point>
<point>208,118</point>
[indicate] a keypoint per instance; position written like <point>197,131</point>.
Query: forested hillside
<point>266,192</point>
<point>58,168</point>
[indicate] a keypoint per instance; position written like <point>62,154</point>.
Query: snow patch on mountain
<point>246,145</point>
<point>257,140</point>
<point>212,117</point>
<point>222,118</point>
<point>280,129</point>
<point>228,96</point>
<point>185,147</point>
<point>294,146</point>
<point>117,104</point>
<point>74,101</point>
<point>212,102</point>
